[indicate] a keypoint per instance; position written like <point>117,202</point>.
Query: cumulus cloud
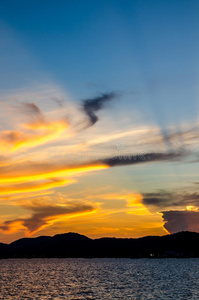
<point>91,106</point>
<point>176,221</point>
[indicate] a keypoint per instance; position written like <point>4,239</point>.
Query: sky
<point>99,128</point>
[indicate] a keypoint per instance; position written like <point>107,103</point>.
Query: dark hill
<point>182,244</point>
<point>71,236</point>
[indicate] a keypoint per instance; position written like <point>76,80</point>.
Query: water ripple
<point>99,279</point>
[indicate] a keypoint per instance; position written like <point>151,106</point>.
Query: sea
<point>99,278</point>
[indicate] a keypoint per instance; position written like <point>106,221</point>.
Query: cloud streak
<point>34,186</point>
<point>32,177</point>
<point>26,172</point>
<point>143,158</point>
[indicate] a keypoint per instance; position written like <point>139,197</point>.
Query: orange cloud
<point>32,186</point>
<point>32,177</point>
<point>38,130</point>
<point>133,201</point>
<point>18,198</point>
<point>41,171</point>
<point>44,216</point>
<point>32,135</point>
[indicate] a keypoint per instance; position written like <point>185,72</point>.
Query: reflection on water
<point>99,279</point>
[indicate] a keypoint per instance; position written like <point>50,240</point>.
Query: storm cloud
<point>176,221</point>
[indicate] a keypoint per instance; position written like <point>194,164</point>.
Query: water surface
<point>99,279</point>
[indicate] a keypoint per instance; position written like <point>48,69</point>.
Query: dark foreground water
<point>99,279</point>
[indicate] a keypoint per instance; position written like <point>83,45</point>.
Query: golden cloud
<point>32,135</point>
<point>45,215</point>
<point>34,186</point>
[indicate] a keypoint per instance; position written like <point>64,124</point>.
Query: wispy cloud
<point>29,171</point>
<point>34,186</point>
<point>37,131</point>
<point>31,177</point>
<point>33,111</point>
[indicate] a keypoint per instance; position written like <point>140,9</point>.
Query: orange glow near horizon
<point>192,208</point>
<point>133,217</point>
<point>39,187</point>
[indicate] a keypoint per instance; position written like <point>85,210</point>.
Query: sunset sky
<point>99,117</point>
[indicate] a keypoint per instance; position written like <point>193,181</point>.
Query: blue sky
<point>145,52</point>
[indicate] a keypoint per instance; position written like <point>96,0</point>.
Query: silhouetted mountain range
<point>182,244</point>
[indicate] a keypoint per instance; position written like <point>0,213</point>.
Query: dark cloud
<point>43,214</point>
<point>143,158</point>
<point>163,199</point>
<point>160,199</point>
<point>176,221</point>
<point>91,106</point>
